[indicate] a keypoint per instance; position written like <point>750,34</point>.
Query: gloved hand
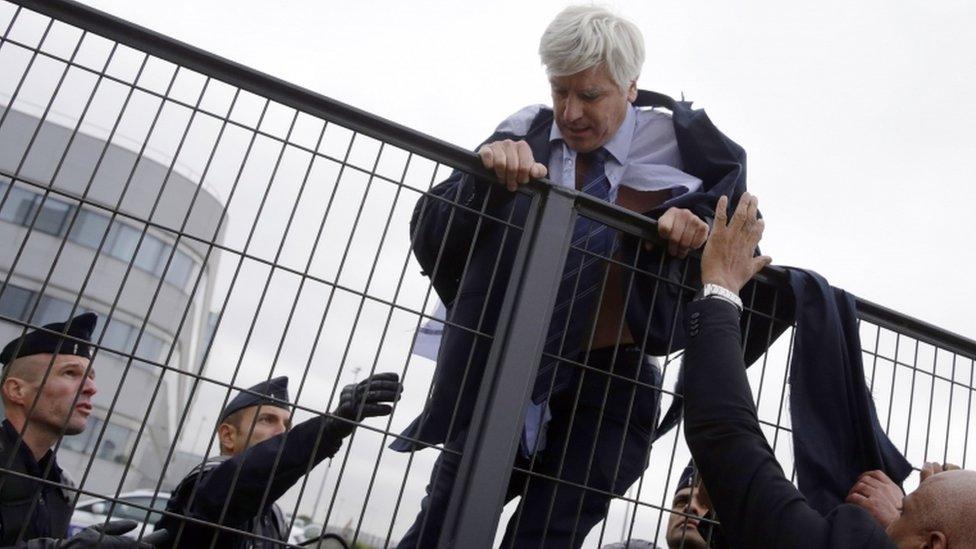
<point>367,398</point>
<point>104,536</point>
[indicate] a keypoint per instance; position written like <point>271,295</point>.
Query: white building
<point>58,264</point>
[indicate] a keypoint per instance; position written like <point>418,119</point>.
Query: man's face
<point>56,407</point>
<point>683,531</point>
<point>268,421</point>
<point>589,107</point>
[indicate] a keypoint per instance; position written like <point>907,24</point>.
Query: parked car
<point>131,505</point>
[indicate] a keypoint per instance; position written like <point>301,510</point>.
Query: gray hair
<point>581,37</point>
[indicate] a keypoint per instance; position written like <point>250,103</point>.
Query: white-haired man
<point>590,430</point>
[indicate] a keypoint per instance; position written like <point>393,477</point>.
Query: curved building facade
<point>87,225</point>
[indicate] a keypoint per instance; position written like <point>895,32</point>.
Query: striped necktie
<point>583,274</point>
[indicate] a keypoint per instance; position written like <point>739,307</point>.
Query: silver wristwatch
<point>718,292</point>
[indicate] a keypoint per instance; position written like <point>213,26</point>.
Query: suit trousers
<point>597,445</point>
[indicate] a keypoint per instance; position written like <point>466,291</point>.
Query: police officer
<point>686,529</point>
<point>47,390</point>
<point>261,457</point>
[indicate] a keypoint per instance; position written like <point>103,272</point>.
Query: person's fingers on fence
<point>665,225</point>
<point>933,468</point>
<point>538,170</point>
<point>675,236</point>
<point>525,162</point>
<point>682,230</point>
<point>700,235</point>
<point>487,157</point>
<point>512,162</point>
<point>494,157</point>
<point>694,234</point>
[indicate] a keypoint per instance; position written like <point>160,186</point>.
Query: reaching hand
<point>728,257</point>
<point>878,495</point>
<point>368,398</point>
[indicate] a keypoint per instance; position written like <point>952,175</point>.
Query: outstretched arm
<point>240,483</point>
<point>757,505</point>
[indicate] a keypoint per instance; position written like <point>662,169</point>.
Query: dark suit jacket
<point>757,505</point>
<point>465,233</point>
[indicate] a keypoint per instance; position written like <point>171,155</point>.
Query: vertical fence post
<point>494,433</point>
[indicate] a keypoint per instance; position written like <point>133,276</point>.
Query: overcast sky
<point>857,117</point>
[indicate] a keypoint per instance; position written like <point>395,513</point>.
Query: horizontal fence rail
<point>227,228</point>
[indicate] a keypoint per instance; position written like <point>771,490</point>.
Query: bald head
<point>940,513</point>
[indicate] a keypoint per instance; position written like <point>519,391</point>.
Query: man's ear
<point>632,91</point>
<point>15,390</point>
<point>225,435</point>
<point>936,540</point>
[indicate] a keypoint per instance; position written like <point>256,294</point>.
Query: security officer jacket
<point>35,508</point>
<point>238,492</point>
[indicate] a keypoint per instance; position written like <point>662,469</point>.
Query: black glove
<point>104,536</point>
<point>365,399</point>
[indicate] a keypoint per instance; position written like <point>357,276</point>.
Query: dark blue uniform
<point>210,492</point>
<point>51,508</point>
<point>238,492</point>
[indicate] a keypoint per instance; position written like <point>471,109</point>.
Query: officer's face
<point>268,421</point>
<point>589,107</point>
<point>682,530</point>
<point>64,399</point>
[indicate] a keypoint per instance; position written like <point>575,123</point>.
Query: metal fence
<point>229,227</point>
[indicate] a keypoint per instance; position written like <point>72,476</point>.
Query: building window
<point>20,204</point>
<point>150,347</point>
<point>16,302</point>
<point>180,269</point>
<point>52,309</point>
<point>122,240</point>
<point>151,256</point>
<point>53,217</point>
<point>115,443</point>
<point>80,442</point>
<point>88,230</point>
<point>113,447</point>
